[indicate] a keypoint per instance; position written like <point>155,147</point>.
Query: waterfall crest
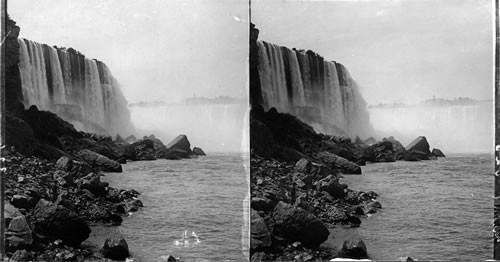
<point>319,92</point>
<point>80,90</point>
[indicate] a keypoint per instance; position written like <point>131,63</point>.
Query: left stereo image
<point>125,131</point>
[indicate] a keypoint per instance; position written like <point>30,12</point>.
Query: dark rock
<point>181,143</point>
<point>58,222</point>
<point>333,161</point>
<point>260,235</point>
<point>92,182</point>
<point>420,144</point>
<point>380,152</point>
<point>331,185</point>
<point>22,201</point>
<point>141,150</point>
<point>261,139</point>
<point>262,204</point>
<point>296,224</point>
<point>115,248</point>
<point>10,212</point>
<point>65,179</point>
<point>353,248</point>
<point>438,153</point>
<point>399,149</point>
<point>100,161</point>
<point>198,151</point>
<point>415,156</point>
<point>340,149</point>
<point>20,135</point>
<point>288,154</point>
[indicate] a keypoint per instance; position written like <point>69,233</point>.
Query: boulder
<point>340,149</point>
<point>64,163</point>
<point>260,235</point>
<point>420,144</point>
<point>115,248</point>
<point>58,222</point>
<point>22,201</point>
<point>180,142</point>
<point>380,152</point>
<point>303,165</point>
<point>198,151</point>
<point>10,212</point>
<point>20,255</point>
<point>370,141</point>
<point>262,204</point>
<point>65,179</point>
<point>333,161</point>
<point>296,224</point>
<point>100,161</point>
<point>415,156</point>
<point>131,139</point>
<point>331,185</point>
<point>92,182</point>
<point>438,153</point>
<point>19,227</point>
<point>353,248</point>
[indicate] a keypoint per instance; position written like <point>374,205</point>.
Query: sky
<point>397,51</point>
<point>158,50</point>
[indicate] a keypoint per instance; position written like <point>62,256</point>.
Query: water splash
<point>187,240</point>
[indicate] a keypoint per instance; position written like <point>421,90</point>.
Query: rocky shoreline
<point>54,191</point>
<point>297,190</point>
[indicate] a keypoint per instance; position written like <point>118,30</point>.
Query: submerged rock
<point>115,248</point>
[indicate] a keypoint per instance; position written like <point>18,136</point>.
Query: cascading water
<point>80,90</point>
<point>319,92</point>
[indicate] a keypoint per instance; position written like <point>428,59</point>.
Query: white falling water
<point>319,92</point>
<point>70,85</point>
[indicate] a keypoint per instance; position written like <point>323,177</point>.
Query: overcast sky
<point>398,51</point>
<point>158,50</point>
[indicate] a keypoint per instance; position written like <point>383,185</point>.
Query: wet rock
<point>353,248</point>
<point>131,139</point>
<point>419,144</point>
<point>438,153</point>
<point>334,161</point>
<point>170,258</point>
<point>260,235</point>
<point>141,150</point>
<point>100,161</point>
<point>260,256</point>
<point>198,151</point>
<point>113,195</point>
<point>296,224</point>
<point>58,222</point>
<point>115,248</point>
<point>10,212</point>
<point>371,140</point>
<point>340,149</point>
<point>399,149</point>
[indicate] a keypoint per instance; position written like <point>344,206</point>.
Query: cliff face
<point>80,90</point>
<point>13,87</point>
<point>319,92</point>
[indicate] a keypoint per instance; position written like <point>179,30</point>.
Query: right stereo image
<point>372,130</point>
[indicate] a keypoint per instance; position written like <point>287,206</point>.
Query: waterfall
<point>452,128</point>
<point>319,92</point>
<point>80,90</point>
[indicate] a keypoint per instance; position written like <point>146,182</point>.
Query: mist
<point>452,128</point>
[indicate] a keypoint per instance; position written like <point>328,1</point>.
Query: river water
<point>204,195</point>
<point>440,209</point>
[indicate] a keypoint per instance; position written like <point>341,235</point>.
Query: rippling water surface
<point>203,195</point>
<point>431,209</point>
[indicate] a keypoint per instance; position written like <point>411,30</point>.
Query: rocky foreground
<point>296,187</point>
<point>54,190</point>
